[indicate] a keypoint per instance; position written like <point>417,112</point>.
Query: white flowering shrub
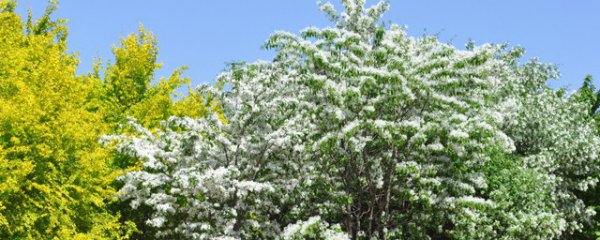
<point>362,129</point>
<point>314,228</point>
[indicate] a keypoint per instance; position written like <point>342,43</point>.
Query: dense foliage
<point>359,131</point>
<point>56,179</point>
<point>589,96</point>
<point>355,131</point>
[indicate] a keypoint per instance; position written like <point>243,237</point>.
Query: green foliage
<point>353,131</point>
<point>589,96</point>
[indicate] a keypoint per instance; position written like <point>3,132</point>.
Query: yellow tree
<point>55,179</point>
<point>128,90</point>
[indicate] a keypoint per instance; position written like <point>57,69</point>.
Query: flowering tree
<point>359,131</point>
<point>589,96</point>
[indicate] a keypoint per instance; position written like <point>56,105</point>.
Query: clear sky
<point>205,35</point>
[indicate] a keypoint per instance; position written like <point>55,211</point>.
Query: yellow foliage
<point>55,179</point>
<point>128,90</point>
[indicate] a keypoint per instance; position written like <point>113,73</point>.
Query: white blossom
<point>365,132</point>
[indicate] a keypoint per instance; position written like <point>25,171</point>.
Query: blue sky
<point>204,35</point>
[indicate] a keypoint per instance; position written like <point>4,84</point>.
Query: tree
<point>54,176</point>
<point>384,135</point>
<point>127,89</point>
<point>589,96</point>
<point>56,180</point>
